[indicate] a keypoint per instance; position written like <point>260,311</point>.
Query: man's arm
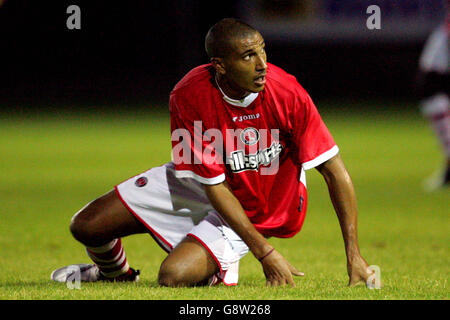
<point>277,270</point>
<point>342,194</point>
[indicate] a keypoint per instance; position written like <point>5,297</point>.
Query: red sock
<point>110,258</point>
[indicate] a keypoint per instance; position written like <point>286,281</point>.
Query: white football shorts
<point>172,208</point>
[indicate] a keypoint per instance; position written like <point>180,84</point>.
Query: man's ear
<point>218,64</point>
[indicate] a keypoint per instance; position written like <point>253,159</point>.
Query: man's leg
<point>105,220</point>
<point>99,226</point>
<point>189,264</point>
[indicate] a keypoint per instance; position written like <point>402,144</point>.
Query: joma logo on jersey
<point>239,161</point>
<point>246,117</point>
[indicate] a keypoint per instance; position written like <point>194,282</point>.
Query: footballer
<point>244,132</point>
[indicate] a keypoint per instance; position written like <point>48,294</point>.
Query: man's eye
<point>247,57</point>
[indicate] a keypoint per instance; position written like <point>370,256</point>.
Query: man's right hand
<point>278,270</point>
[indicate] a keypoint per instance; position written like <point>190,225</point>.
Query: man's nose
<point>261,64</point>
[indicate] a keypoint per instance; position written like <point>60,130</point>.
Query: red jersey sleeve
<point>314,142</point>
<point>193,152</point>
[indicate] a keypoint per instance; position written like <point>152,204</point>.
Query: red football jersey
<point>260,145</point>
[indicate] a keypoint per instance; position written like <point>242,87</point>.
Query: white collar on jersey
<point>245,102</point>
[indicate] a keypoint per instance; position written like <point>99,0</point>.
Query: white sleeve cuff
<point>189,174</point>
<point>327,155</point>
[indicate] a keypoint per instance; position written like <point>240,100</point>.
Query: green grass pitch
<point>51,165</point>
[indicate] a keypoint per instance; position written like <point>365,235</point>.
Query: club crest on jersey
<point>250,136</point>
<point>141,182</point>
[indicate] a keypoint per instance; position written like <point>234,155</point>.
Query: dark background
<point>136,52</point>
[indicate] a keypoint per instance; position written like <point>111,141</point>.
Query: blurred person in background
<point>434,96</point>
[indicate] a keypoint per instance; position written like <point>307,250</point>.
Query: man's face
<point>246,65</point>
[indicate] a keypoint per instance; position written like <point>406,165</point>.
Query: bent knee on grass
<point>172,276</point>
<point>176,275</point>
<point>188,265</point>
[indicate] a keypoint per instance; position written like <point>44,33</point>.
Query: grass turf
<point>51,165</point>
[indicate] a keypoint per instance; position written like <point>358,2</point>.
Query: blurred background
<point>136,52</point>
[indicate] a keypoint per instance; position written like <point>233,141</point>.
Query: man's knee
<point>188,265</point>
<point>104,219</point>
<point>177,275</point>
<point>171,275</point>
<point>84,226</point>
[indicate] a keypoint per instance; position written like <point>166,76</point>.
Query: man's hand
<point>278,270</point>
<point>358,271</point>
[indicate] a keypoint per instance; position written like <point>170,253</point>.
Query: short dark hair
<point>218,39</point>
